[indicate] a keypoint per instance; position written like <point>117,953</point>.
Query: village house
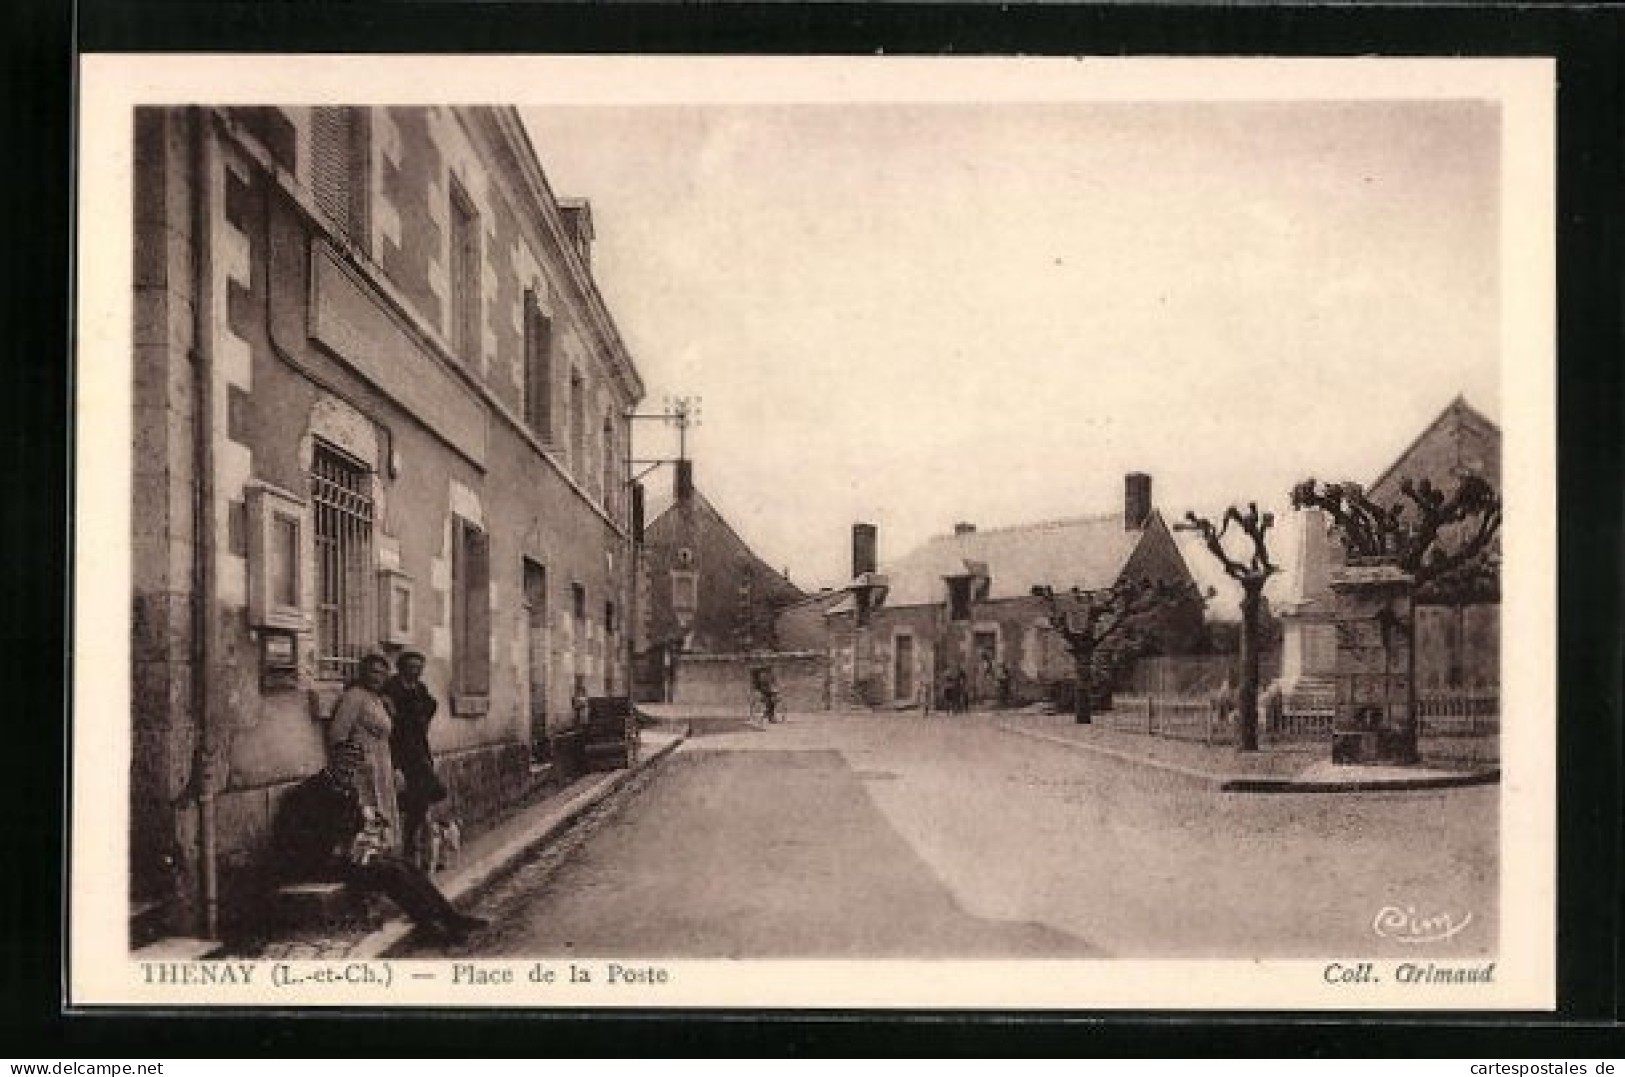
<point>963,602</point>
<point>1457,641</point>
<point>379,404</point>
<point>710,611</point>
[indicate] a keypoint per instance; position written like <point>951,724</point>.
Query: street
<point>845,836</point>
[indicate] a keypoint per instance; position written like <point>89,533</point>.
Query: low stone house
<point>963,602</point>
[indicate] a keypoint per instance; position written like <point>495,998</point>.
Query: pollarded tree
<point>1252,571</point>
<point>1091,622</point>
<point>1444,542</point>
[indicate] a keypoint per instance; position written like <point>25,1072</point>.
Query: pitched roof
<point>1456,416</point>
<point>765,574</point>
<point>1087,551</point>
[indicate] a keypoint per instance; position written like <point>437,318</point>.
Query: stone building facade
<point>379,404</point>
<point>708,593</point>
<point>963,602</point>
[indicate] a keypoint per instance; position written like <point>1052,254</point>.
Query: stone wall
<point>724,681</point>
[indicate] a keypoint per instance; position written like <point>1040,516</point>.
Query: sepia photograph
<point>671,532</point>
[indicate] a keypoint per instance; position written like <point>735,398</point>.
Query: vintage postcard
<point>989,534</point>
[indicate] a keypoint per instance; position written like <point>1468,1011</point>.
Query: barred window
<point>341,502</point>
<point>340,163</point>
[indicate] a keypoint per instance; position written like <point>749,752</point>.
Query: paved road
<point>898,836</point>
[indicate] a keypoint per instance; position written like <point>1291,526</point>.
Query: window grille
<point>341,502</point>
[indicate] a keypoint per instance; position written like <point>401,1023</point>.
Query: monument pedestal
<point>1372,673</point>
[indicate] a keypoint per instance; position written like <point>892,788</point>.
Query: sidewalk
<point>1294,768</point>
<point>485,857</point>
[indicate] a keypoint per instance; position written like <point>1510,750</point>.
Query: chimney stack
<point>863,549</point>
<point>963,528</point>
<point>1136,500</point>
<point>683,485</point>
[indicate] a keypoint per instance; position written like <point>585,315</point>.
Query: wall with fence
<point>1456,725</point>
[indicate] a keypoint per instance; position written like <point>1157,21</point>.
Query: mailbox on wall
<point>279,659</point>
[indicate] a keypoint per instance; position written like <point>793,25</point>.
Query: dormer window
<point>972,586</point>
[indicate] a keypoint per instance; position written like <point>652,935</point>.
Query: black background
<point>42,40</point>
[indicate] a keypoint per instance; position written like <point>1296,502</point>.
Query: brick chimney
<point>863,549</point>
<point>683,479</point>
<point>577,214</point>
<point>1136,500</point>
<point>963,528</point>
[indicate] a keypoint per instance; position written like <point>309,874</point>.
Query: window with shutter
<point>471,609</point>
<point>340,161</point>
<point>465,275</point>
<point>538,369</point>
<point>578,427</point>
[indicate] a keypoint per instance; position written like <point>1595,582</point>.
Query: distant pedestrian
<point>578,700</point>
<point>959,691</point>
<point>1002,678</point>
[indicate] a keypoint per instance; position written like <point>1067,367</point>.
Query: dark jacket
<point>314,826</point>
<point>412,709</point>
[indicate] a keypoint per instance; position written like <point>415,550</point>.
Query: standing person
<point>770,696</point>
<point>362,718</point>
<point>323,832</point>
<point>959,688</point>
<point>1002,678</point>
<point>413,707</point>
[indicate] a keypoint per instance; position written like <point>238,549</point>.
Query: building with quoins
<point>379,404</point>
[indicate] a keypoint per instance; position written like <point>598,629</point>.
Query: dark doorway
<point>536,656</point>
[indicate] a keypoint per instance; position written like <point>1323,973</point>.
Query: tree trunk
<point>1081,702</point>
<point>1247,706</point>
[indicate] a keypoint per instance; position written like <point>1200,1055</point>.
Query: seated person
<point>323,833</point>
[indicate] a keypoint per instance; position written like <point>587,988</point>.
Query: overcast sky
<point>919,314</point>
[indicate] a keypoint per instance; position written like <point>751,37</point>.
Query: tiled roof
<point>1082,552</point>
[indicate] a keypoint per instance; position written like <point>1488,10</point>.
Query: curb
<point>1402,785</point>
<point>1266,785</point>
<point>1112,753</point>
<point>478,875</point>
